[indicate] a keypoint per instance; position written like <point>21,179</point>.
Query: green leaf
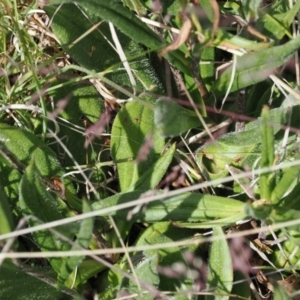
<point>22,146</point>
<point>250,9</point>
<point>146,271</point>
<point>255,67</point>
<point>220,271</point>
<point>171,119</point>
<point>211,224</point>
<point>158,233</point>
<point>127,22</point>
<point>287,17</point>
<point>109,281</point>
<point>83,239</point>
<point>267,180</point>
<point>17,284</point>
<point>187,207</point>
<point>96,50</point>
<point>83,102</point>
<point>132,126</point>
<point>36,201</point>
<point>291,201</point>
<point>25,146</point>
<point>285,183</point>
<point>7,222</point>
<point>287,251</point>
<point>87,269</point>
<point>114,11</point>
<point>259,209</point>
<point>136,5</point>
<point>151,178</point>
<point>272,26</point>
<point>241,286</point>
<point>208,9</point>
<point>243,148</point>
<point>282,214</point>
<point>275,21</point>
<point>207,66</point>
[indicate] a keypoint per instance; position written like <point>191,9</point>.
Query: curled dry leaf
<point>291,284</point>
<point>180,39</point>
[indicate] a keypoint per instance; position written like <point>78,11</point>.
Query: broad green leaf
<point>82,103</point>
<point>283,214</point>
<point>25,146</point>
<point>243,148</point>
<point>288,208</point>
<point>86,270</point>
<point>93,51</point>
<point>208,9</point>
<point>7,222</point>
<point>255,67</point>
<point>161,232</point>
<point>207,66</point>
<point>235,149</point>
<point>187,207</point>
<point>220,272</point>
<point>115,12</point>
<point>83,239</point>
<point>288,17</point>
<point>232,148</point>
<point>36,201</point>
<point>285,183</point>
<point>109,281</point>
<point>165,232</point>
<point>272,26</point>
<point>291,201</point>
<point>151,178</point>
<point>171,119</point>
<point>280,256</point>
<point>22,146</point>
<point>17,284</point>
<point>127,22</point>
<point>136,5</point>
<point>241,286</point>
<point>132,127</point>
<point>96,51</point>
<point>146,271</point>
<point>250,9</point>
<point>230,7</point>
<point>267,180</point>
<point>276,19</point>
<point>258,209</point>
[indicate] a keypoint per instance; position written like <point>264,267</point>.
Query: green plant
<point>96,116</point>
